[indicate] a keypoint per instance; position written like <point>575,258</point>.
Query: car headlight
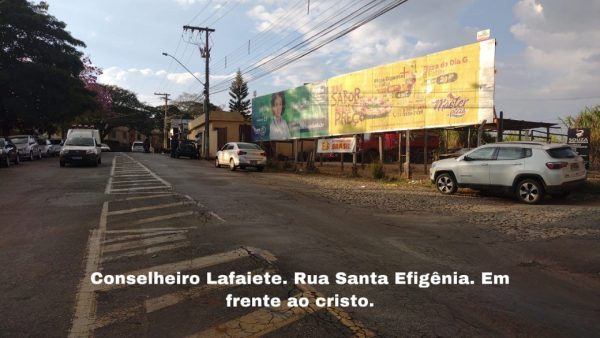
<point>90,151</point>
<point>64,151</point>
<point>433,165</point>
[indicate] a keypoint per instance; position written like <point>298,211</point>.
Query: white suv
<point>527,169</point>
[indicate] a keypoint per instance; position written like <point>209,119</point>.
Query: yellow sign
<point>450,88</point>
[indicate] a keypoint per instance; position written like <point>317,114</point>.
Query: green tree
<point>39,68</point>
<point>588,118</point>
<point>238,93</point>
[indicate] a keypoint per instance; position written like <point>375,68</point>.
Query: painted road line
<point>162,302</point>
<point>357,328</point>
<point>186,265</point>
<point>216,216</point>
<point>152,207</point>
<point>124,231</point>
<point>141,188</point>
<point>151,173</point>
<point>110,178</point>
<point>134,175</point>
<point>147,251</point>
<point>134,181</point>
<point>165,194</point>
<point>162,217</point>
<point>261,322</point>
<point>144,243</point>
<point>85,303</point>
<point>140,236</point>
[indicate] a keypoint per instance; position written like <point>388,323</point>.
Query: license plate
<point>76,157</point>
<point>253,162</point>
<point>574,166</point>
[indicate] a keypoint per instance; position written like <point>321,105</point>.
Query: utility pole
<point>205,52</point>
<point>166,97</point>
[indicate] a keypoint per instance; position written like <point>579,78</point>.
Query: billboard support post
<point>425,153</point>
<point>354,168</point>
<point>407,173</point>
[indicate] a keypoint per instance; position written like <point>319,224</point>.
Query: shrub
<point>377,171</point>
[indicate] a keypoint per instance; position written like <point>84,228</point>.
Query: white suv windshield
<point>19,140</point>
<point>80,142</point>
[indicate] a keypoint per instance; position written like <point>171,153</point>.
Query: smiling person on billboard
<point>278,130</point>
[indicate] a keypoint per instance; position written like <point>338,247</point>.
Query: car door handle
<point>484,164</point>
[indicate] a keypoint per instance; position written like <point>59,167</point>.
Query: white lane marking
<point>140,252</point>
<point>144,242</point>
<point>216,216</point>
<point>186,265</point>
<point>263,321</point>
<point>134,181</point>
<point>147,230</point>
<point>162,217</point>
<point>85,308</point>
<point>134,175</point>
<point>161,302</point>
<point>141,188</point>
<point>110,178</point>
<point>140,236</point>
<point>151,173</point>
<point>151,207</point>
<point>165,194</point>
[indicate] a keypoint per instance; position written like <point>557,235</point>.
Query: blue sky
<point>548,53</point>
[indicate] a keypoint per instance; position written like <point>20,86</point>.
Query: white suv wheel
<point>446,184</point>
<point>530,191</point>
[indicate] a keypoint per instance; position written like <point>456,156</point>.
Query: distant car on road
<point>8,153</point>
<point>104,147</point>
<point>137,147</point>
<point>27,146</point>
<point>56,146</point>
<point>187,149</point>
<point>45,147</point>
<point>242,155</point>
<point>529,170</point>
<point>80,149</point>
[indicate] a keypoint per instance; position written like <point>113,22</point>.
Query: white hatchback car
<point>137,147</point>
<point>527,169</point>
<point>242,155</point>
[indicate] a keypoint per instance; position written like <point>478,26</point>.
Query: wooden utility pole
<point>205,52</point>
<point>166,97</point>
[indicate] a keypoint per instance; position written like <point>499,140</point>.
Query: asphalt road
<point>147,212</point>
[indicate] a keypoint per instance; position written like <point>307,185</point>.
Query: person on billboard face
<point>278,129</point>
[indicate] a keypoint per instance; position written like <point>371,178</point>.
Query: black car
<point>187,149</point>
<point>8,153</point>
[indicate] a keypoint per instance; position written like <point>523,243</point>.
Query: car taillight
<point>556,165</point>
<point>263,154</point>
<point>241,152</point>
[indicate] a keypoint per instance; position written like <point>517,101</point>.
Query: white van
<point>85,131</point>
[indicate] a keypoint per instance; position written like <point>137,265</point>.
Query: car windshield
<point>18,140</point>
<point>562,152</point>
<point>55,142</point>
<point>80,142</point>
<point>138,144</point>
<point>2,143</point>
<point>248,146</point>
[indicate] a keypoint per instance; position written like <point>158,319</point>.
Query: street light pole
<point>166,97</point>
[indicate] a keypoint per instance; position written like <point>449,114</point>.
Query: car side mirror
<point>467,158</point>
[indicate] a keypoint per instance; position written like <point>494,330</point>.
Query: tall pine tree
<point>239,92</point>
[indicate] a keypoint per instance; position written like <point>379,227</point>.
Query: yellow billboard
<point>450,88</point>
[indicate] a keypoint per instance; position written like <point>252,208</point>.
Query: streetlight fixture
<point>182,65</point>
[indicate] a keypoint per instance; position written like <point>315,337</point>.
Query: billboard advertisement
<point>579,138</point>
<point>451,88</point>
<point>300,112</point>
<point>336,145</point>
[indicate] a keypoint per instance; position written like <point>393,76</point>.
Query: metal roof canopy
<point>510,124</point>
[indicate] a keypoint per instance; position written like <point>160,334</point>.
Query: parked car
<point>56,146</point>
<point>45,147</point>
<point>8,153</point>
<point>27,146</point>
<point>80,149</point>
<point>137,147</point>
<point>242,155</point>
<point>104,147</point>
<point>529,170</point>
<point>187,149</point>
